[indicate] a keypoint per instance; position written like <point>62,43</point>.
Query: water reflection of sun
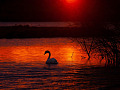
<point>68,53</point>
<point>25,53</point>
<point>63,52</point>
<point>33,54</point>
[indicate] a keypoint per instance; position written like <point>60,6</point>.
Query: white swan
<point>50,60</point>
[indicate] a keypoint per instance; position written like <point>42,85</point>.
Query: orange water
<point>22,64</point>
<point>32,51</point>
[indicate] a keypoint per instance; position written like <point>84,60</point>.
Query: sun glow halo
<point>71,1</point>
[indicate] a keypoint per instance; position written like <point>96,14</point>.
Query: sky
<point>59,10</point>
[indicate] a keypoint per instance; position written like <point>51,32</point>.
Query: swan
<point>50,60</point>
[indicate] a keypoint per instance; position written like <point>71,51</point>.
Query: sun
<point>71,1</point>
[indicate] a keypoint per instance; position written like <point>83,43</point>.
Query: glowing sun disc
<point>70,1</point>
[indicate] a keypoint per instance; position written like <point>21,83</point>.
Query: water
<point>22,66</point>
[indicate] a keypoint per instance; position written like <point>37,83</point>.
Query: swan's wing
<point>52,61</point>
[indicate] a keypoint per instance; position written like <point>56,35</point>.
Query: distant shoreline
<point>44,32</point>
<point>41,24</point>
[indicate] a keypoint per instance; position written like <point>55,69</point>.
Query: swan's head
<point>46,52</point>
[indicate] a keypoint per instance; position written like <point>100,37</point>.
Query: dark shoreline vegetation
<point>102,40</point>
<point>10,32</point>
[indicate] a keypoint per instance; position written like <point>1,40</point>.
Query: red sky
<point>59,10</point>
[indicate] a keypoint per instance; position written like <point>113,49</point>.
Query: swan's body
<point>50,60</point>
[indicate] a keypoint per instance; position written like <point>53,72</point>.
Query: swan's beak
<point>44,53</point>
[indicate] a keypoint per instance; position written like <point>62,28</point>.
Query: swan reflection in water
<point>50,60</point>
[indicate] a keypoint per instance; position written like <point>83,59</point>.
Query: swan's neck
<point>49,55</point>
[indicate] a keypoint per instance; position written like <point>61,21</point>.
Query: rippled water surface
<point>22,66</point>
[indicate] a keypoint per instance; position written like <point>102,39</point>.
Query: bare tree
<point>86,45</point>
